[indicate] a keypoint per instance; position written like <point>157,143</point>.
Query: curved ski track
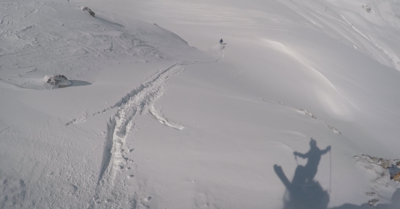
<point>307,113</point>
<point>137,102</point>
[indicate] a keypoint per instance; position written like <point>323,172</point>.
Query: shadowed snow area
<point>297,108</point>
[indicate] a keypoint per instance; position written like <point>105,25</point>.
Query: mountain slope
<point>276,118</point>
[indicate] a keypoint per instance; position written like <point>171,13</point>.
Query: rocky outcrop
<point>89,10</point>
<point>58,81</point>
<point>393,165</point>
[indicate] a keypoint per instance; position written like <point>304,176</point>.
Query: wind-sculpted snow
<point>364,25</point>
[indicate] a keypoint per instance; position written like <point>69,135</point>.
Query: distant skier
<point>221,41</point>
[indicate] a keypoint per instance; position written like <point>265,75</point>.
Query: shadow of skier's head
<point>313,143</point>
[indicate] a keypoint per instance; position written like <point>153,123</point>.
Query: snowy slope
<point>153,121</point>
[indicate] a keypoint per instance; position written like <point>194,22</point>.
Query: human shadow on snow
<point>303,192</point>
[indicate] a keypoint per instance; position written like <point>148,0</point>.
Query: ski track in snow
<point>307,113</point>
<point>5,129</point>
<point>12,191</point>
<point>137,102</point>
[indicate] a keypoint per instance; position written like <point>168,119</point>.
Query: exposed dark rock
<point>59,81</point>
<point>89,10</point>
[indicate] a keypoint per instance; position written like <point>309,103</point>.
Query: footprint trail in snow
<point>137,102</point>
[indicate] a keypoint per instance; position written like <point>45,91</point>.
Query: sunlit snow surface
<point>160,115</point>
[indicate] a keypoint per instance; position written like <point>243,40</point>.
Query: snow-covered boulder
<point>58,81</point>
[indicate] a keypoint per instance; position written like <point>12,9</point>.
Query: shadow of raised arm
<point>301,155</point>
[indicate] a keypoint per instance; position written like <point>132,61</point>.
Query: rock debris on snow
<point>59,81</point>
<point>390,165</point>
<point>89,10</point>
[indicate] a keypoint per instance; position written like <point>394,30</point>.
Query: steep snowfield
<point>153,121</point>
